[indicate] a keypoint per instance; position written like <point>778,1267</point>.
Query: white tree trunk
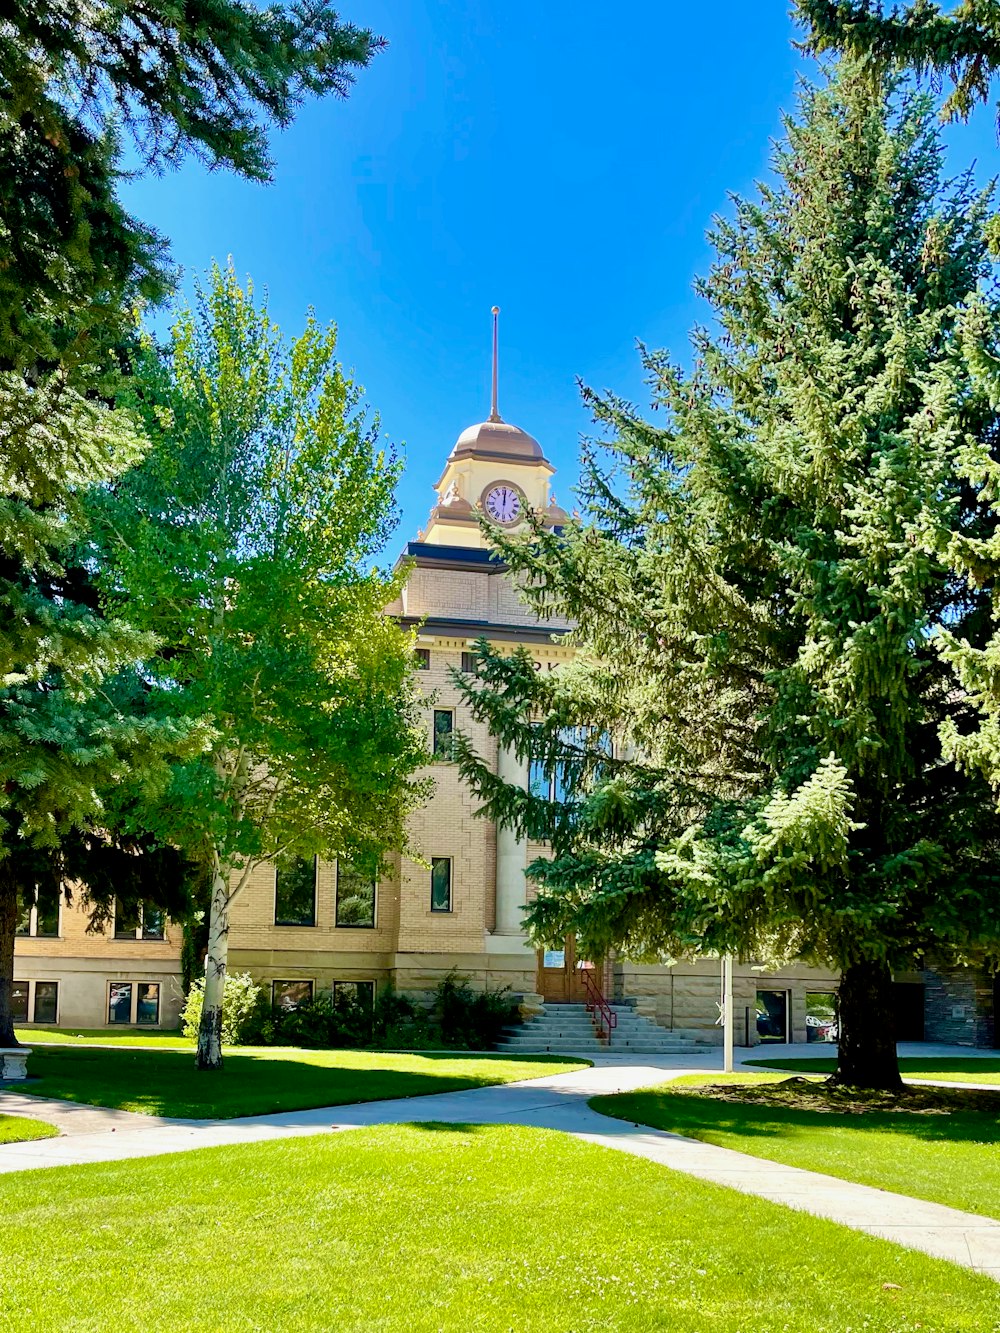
<point>210,1031</point>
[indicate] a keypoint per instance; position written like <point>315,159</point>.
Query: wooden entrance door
<point>559,979</point>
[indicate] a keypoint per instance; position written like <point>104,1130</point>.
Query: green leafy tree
<point>243,542</point>
<point>79,731</point>
<point>759,580</point>
<point>961,43</point>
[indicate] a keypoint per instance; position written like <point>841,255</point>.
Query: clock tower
<point>494,469</point>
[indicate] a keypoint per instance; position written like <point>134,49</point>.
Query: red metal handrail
<point>597,1006</point>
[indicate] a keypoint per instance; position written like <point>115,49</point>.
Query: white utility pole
<point>727,1013</point>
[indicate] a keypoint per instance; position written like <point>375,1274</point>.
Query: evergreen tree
<point>961,43</point>
<point>243,542</point>
<point>760,580</point>
<point>208,78</point>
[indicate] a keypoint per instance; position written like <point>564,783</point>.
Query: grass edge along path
<point>952,1159</point>
<point>414,1228</point>
<point>265,1079</point>
<point>22,1129</point>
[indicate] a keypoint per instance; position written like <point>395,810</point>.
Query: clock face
<point>503,504</point>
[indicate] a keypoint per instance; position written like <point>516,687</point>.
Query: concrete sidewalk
<point>558,1103</point>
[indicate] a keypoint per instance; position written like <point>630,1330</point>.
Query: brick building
<point>304,928</point>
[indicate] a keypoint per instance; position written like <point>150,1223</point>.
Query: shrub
<point>471,1018</point>
<point>242,1008</point>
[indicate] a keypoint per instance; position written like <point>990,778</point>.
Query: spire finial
<point>494,410</point>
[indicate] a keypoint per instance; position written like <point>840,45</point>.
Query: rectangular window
<point>470,664</point>
<point>46,1001</point>
<point>39,911</point>
<point>147,1008</point>
<point>120,1002</point>
<point>423,656</point>
<point>47,912</point>
<point>355,897</point>
<point>126,920</point>
<point>153,922</point>
<point>361,992</point>
<point>444,727</point>
<point>772,1015</point>
<point>440,883</point>
<point>821,1016</point>
<point>295,891</point>
<point>19,1002</point>
<point>290,994</point>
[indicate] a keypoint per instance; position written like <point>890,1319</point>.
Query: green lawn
<point>157,1037</point>
<point>416,1229</point>
<point>19,1129</point>
<point>949,1158</point>
<point>258,1080</point>
<point>985,1069</point>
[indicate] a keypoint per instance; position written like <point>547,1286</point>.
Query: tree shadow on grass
<point>166,1082</point>
<point>697,1115</point>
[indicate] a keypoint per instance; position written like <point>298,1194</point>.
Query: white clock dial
<point>503,504</point>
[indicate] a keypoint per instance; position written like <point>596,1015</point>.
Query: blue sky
<point>561,160</point>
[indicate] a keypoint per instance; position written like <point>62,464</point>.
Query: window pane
<point>126,920</point>
<point>355,896</point>
<point>444,723</point>
<point>19,1002</point>
<point>46,1001</point>
<point>120,1002</point>
<point>147,1007</point>
<point>470,663</point>
<point>821,1016</point>
<point>772,1015</point>
<point>153,921</point>
<point>362,992</point>
<point>290,994</point>
<point>440,883</point>
<point>48,911</point>
<point>295,891</point>
<point>423,656</point>
<point>23,926</point>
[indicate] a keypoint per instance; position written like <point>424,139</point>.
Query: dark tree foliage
<point>761,580</point>
<point>207,77</point>
<point>960,43</point>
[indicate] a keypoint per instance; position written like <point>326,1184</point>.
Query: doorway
<point>559,974</point>
<point>772,1015</point>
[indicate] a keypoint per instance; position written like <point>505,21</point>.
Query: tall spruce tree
<point>245,542</point>
<point>759,580</point>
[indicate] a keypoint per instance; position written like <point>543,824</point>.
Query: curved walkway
<point>558,1102</point>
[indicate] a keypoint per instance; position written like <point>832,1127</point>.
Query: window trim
<point>443,911</point>
<point>299,925</point>
<point>293,981</point>
<point>353,925</point>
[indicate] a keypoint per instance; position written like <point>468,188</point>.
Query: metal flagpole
<point>494,409</point>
